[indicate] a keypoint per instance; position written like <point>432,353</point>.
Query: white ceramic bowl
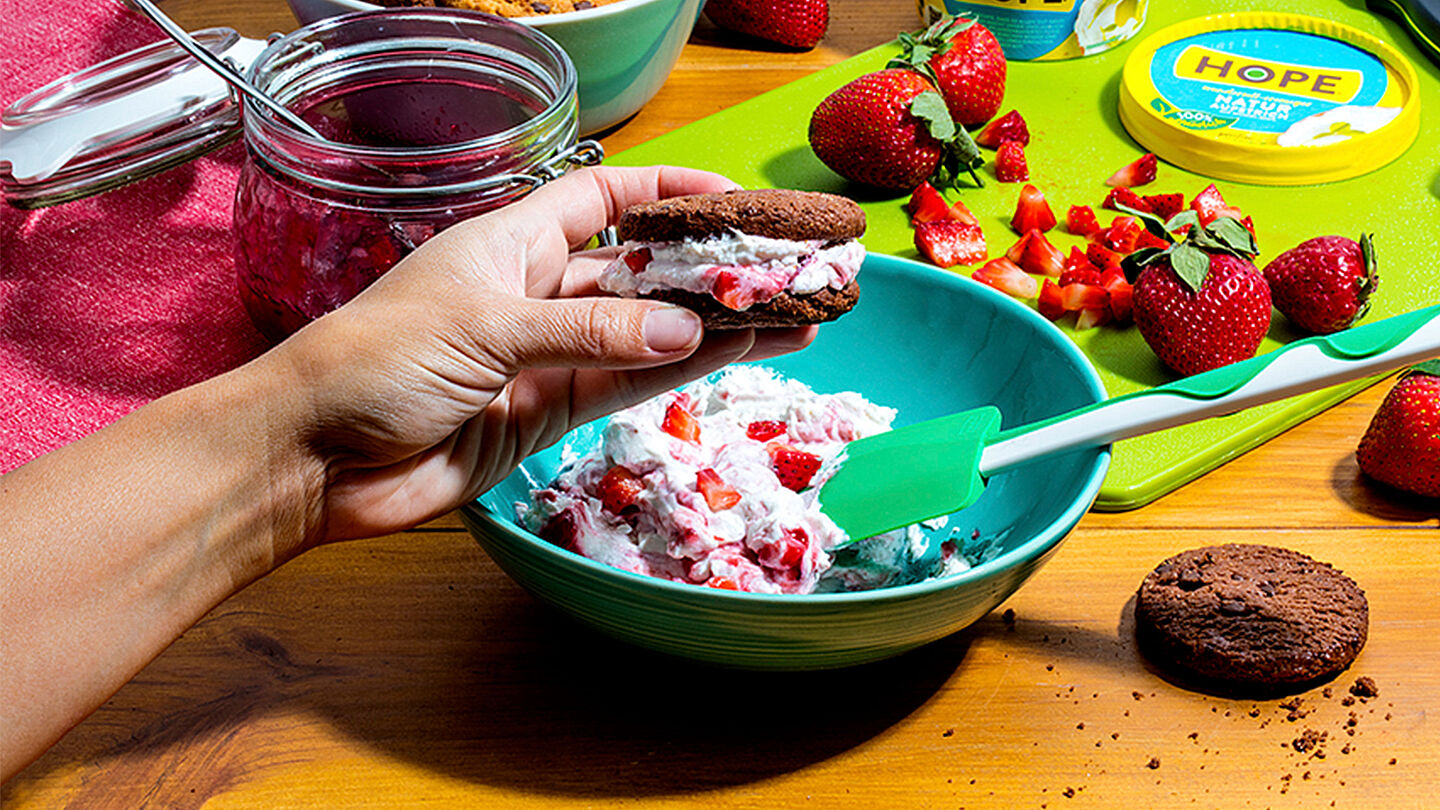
<point>622,51</point>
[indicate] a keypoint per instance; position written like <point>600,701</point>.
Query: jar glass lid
<point>122,120</point>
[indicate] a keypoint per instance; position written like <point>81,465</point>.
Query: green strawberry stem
<point>960,152</point>
<point>1189,259</point>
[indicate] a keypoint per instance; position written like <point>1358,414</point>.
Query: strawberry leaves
<point>1191,258</point>
<point>961,153</point>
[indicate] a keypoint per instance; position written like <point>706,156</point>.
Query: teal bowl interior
<point>926,342</point>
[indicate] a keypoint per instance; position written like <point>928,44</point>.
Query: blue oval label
<point>1260,80</point>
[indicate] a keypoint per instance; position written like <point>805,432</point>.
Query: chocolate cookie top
<point>776,213</point>
<point>1252,615</point>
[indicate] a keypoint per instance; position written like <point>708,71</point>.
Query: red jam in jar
<point>428,117</point>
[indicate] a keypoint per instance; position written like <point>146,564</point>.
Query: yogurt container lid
<point>1270,98</point>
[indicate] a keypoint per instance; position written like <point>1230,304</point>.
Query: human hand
<point>487,344</point>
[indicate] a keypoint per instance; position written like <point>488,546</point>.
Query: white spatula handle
<point>1303,366</point>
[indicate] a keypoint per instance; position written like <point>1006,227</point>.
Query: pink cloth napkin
<point>109,302</point>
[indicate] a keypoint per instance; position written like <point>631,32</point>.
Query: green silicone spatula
<point>940,466</point>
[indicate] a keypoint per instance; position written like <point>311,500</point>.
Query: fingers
<point>587,201</point>
<point>774,342</point>
<point>597,392</point>
<point>612,333</point>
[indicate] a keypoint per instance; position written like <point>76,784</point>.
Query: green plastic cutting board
<point>1076,142</point>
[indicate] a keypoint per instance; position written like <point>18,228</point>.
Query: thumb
<point>611,333</point>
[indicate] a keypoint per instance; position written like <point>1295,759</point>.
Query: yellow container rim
<point>1267,164</point>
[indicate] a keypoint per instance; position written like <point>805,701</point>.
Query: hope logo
<point>1199,63</point>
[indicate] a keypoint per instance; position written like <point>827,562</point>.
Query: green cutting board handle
<point>1305,365</point>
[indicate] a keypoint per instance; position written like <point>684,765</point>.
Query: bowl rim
<point>537,21</point>
<point>1037,546</point>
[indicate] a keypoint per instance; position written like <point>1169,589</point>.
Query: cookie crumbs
<point>1080,726</point>
<point>1137,695</point>
<point>1348,700</point>
<point>1154,763</point>
<point>1194,736</point>
<point>1392,760</point>
<point>1297,709</point>
<point>1364,687</point>
<point>1115,735</point>
<point>1008,617</point>
<point>949,732</point>
<point>1310,740</point>
<point>1068,793</point>
<point>1327,693</point>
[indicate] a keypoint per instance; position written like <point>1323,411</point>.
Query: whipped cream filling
<point>738,269</point>
<point>773,539</point>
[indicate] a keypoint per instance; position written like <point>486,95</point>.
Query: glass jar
<point>429,116</point>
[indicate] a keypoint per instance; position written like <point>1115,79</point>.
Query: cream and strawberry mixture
<point>737,269</point>
<point>716,485</point>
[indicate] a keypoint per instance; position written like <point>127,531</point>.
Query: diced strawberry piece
<point>1121,295</point>
<point>1079,296</point>
<point>718,494</point>
<point>727,290</point>
<point>1165,206</point>
<point>1008,127</point>
<point>960,213</point>
<point>680,423</point>
<point>1040,256</point>
<point>1249,224</point>
<point>1010,164</point>
<point>927,205</point>
<point>1007,277</point>
<point>1049,302</point>
<point>561,530</point>
<point>1092,317</point>
<point>1017,250</point>
<point>1122,234</point>
<point>1101,256</point>
<point>619,489</point>
<point>792,466</point>
<point>1032,211</point>
<point>1124,196</point>
<point>1084,275</point>
<point>1080,220</point>
<point>1077,260</point>
<point>1207,204</point>
<point>794,548</point>
<point>764,429</point>
<point>1149,240</point>
<point>723,583</point>
<point>1138,173</point>
<point>638,259</point>
<point>947,242</point>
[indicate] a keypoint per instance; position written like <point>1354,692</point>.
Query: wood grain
<point>407,671</point>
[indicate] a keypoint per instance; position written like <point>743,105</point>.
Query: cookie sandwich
<point>743,259</point>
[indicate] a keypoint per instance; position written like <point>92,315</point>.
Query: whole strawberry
<point>1200,304</point>
<point>966,63</point>
<point>1402,445</point>
<point>889,129</point>
<point>795,23</point>
<point>1324,284</point>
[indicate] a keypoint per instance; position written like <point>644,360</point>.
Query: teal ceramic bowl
<point>924,341</point>
<point>622,51</point>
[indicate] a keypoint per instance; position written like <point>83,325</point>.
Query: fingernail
<point>669,329</point>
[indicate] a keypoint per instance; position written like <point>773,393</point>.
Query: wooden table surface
<point>408,671</point>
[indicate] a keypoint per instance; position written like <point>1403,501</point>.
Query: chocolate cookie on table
<point>1251,616</point>
<point>742,259</point>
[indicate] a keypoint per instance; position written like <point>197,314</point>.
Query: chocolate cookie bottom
<point>784,310</point>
